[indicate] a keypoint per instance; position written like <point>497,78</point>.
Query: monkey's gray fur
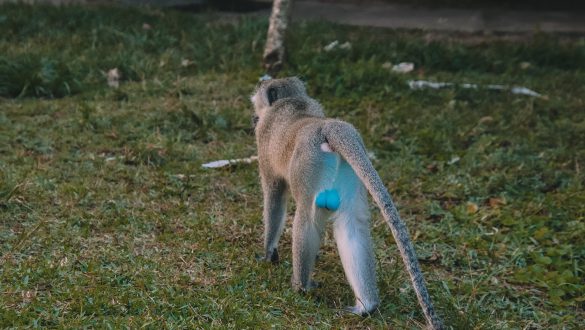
<point>303,153</point>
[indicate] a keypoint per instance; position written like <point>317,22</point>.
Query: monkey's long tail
<point>344,139</point>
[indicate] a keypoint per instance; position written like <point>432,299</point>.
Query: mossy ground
<point>108,220</point>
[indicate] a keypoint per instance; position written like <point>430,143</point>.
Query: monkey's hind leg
<point>351,229</point>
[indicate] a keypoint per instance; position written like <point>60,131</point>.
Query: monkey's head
<point>271,90</point>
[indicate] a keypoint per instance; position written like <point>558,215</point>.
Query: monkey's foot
<point>306,288</point>
<point>360,310</point>
<point>314,285</point>
<point>328,199</point>
<point>271,256</point>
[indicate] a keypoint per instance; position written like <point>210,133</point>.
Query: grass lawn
<point>108,220</point>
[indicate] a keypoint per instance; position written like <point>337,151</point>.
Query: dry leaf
<point>496,201</point>
<point>472,208</point>
<point>403,67</point>
<point>486,120</point>
<point>114,76</point>
<point>387,65</point>
<point>346,45</point>
<point>185,62</point>
<point>331,46</point>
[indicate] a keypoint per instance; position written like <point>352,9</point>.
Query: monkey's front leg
<point>305,246</point>
<point>274,215</point>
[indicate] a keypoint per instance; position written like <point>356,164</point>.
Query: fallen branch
<point>226,162</point>
<point>421,84</point>
<point>248,160</point>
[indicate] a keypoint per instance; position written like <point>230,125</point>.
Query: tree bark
<point>274,51</point>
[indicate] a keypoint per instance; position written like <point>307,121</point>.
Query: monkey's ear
<point>272,95</point>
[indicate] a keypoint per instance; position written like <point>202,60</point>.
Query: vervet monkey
<point>323,164</point>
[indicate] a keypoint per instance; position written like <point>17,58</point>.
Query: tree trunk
<point>274,51</point>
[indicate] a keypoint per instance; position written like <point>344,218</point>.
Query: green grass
<point>108,220</point>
